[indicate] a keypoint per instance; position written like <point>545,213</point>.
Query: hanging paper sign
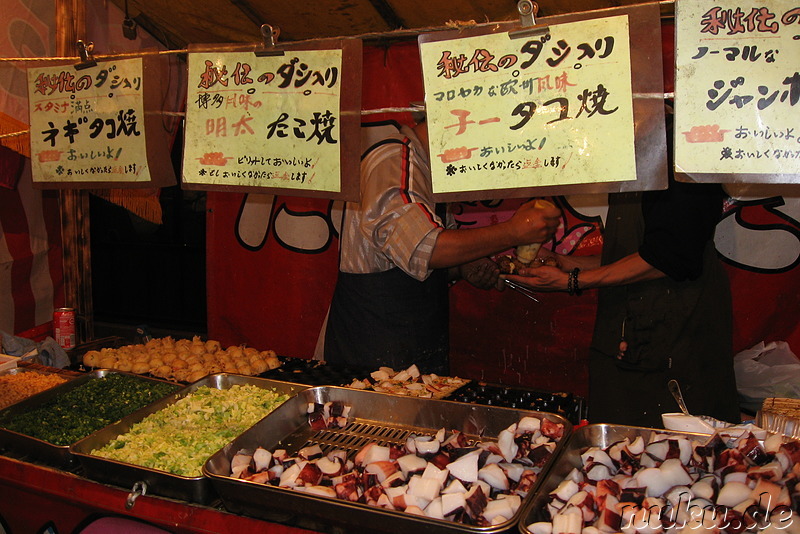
<point>543,110</point>
<point>737,91</point>
<point>87,126</point>
<point>265,122</point>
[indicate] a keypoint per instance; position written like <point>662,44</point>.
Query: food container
<point>567,404</point>
<point>194,489</point>
<point>38,449</point>
<point>9,397</point>
<point>780,416</point>
<point>595,435</point>
<point>373,417</point>
<point>312,372</point>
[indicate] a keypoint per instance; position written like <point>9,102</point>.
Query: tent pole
<point>74,203</point>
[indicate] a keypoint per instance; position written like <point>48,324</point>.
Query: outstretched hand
<point>544,278</point>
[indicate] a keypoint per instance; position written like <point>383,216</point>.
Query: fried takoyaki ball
<point>92,358</point>
<point>140,368</point>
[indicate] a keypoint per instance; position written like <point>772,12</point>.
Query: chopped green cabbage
<point>181,437</point>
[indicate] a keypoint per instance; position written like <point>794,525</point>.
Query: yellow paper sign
<point>88,125</point>
<point>737,87</point>
<point>537,111</point>
<point>264,121</point>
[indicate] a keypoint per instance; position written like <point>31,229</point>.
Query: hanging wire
<point>120,55</point>
<point>395,34</point>
<point>374,36</point>
<point>14,134</point>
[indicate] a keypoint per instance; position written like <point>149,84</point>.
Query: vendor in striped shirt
<point>397,251</point>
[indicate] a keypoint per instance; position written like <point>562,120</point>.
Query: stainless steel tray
<point>18,370</point>
<point>595,435</point>
<point>43,371</point>
<point>37,449</point>
<point>27,371</point>
<point>374,417</point>
<point>195,489</point>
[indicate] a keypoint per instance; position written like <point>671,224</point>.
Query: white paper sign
<point>88,125</point>
<point>264,121</point>
<point>737,87</point>
<point>545,110</point>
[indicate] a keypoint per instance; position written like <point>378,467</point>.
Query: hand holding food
<point>527,253</point>
<point>536,221</point>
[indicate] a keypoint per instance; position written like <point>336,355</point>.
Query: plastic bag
<point>48,352</point>
<point>765,371</point>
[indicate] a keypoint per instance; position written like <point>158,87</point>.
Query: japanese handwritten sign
<point>264,121</point>
<point>88,125</point>
<point>737,87</point>
<point>542,110</point>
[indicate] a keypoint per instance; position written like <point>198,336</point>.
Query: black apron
<point>389,319</point>
<point>680,330</point>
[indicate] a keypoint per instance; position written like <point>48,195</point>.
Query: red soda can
<point>64,327</point>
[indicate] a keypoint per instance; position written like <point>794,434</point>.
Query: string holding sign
<point>527,18</point>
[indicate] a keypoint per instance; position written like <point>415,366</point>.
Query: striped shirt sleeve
<point>397,221</point>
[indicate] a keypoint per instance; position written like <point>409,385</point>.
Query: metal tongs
<point>522,289</point>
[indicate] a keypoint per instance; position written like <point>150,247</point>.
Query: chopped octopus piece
<point>262,458</point>
<point>426,488</point>
<point>434,509</point>
<point>476,501</point>
<point>465,468</point>
<point>411,464</point>
<point>502,508</point>
<point>494,475</point>
<point>381,469</point>
<point>239,463</point>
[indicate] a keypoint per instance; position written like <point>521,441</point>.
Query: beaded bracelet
<point>573,287</point>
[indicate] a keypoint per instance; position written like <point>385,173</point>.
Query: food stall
<point>519,365</point>
<point>71,466</point>
<point>339,459</point>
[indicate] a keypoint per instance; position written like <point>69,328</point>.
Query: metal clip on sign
<point>270,35</point>
<point>527,12</point>
<point>85,52</point>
